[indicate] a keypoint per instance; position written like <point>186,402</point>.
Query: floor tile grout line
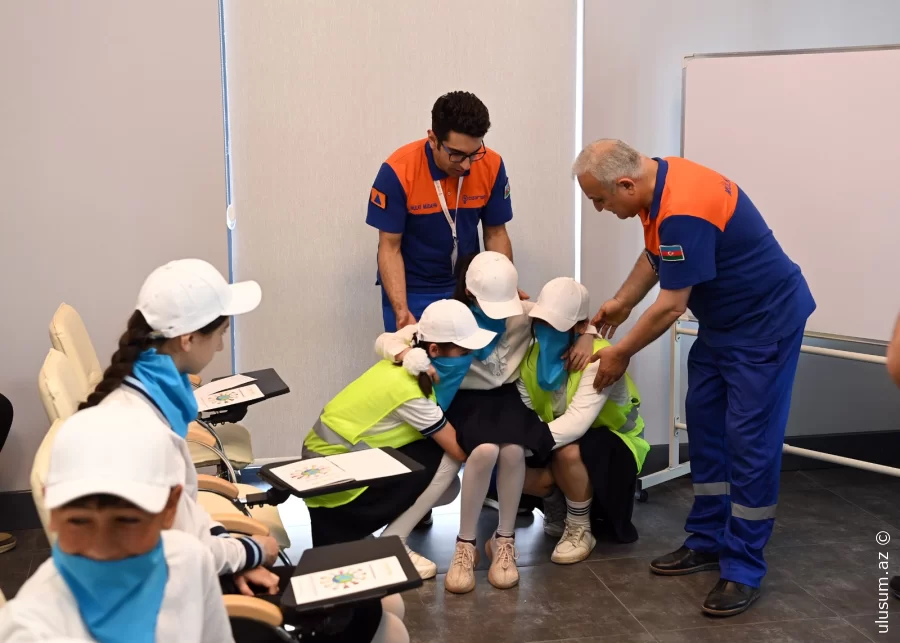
<point>615,596</point>
<point>869,638</point>
<point>752,623</point>
<point>866,511</point>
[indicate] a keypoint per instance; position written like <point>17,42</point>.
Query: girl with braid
<point>182,315</point>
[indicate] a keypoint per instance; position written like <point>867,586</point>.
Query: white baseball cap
<point>563,302</point>
<point>183,296</point>
<point>117,450</point>
<point>451,321</point>
<point>494,281</point>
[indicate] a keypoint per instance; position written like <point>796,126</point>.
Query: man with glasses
<point>427,202</point>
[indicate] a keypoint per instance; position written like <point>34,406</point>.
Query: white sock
<point>579,513</point>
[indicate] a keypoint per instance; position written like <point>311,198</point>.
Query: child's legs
<point>538,482</point>
<point>391,630</point>
<point>394,604</point>
<point>510,480</point>
<point>476,478</point>
<point>434,495</point>
<point>570,473</point>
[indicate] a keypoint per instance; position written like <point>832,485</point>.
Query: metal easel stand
<point>677,469</point>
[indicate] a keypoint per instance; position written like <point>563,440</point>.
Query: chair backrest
<point>60,388</point>
<point>39,477</point>
<point>69,335</point>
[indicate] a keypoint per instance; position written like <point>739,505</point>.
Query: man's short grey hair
<point>608,160</point>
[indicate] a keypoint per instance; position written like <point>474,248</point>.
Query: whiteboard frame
<point>677,469</point>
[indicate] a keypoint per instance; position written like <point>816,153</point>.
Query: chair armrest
<point>196,380</point>
<point>239,606</point>
<point>217,485</point>
<point>197,433</point>
<point>241,524</point>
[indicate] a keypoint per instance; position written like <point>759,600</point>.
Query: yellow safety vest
<point>622,419</point>
<point>355,410</point>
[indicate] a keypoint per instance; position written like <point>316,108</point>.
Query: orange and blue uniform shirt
<point>702,231</point>
<point>404,200</point>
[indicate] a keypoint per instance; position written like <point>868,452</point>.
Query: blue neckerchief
<point>551,369</point>
<point>119,600</point>
<point>451,371</point>
<point>487,323</point>
<point>171,390</point>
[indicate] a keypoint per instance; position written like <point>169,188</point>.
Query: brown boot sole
<point>684,572</point>
<point>7,546</point>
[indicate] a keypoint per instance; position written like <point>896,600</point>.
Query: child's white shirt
<point>229,554</point>
<point>192,609</point>
<point>573,420</point>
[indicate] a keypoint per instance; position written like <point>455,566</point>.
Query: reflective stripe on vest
<point>344,421</point>
<point>621,417</point>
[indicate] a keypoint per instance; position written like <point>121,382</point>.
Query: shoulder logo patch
<point>671,253</point>
<point>378,198</point>
<point>506,190</point>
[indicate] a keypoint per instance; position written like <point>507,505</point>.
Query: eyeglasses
<point>458,157</point>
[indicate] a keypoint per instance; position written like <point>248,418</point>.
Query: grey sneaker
<point>555,514</point>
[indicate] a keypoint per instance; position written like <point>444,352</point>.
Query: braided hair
<point>137,338</point>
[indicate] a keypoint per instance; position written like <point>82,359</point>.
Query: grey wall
<point>632,91</point>
<point>111,163</point>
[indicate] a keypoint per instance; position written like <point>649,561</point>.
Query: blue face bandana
<point>451,370</point>
<point>487,323</point>
<point>119,600</point>
<point>171,390</point>
<point>551,369</point>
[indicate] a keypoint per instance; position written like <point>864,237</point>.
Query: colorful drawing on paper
<point>310,473</point>
<point>226,396</point>
<point>343,579</point>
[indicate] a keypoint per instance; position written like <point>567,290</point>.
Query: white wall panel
<point>320,93</point>
<point>111,163</point>
<point>632,91</point>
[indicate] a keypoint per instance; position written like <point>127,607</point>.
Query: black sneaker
<point>895,586</point>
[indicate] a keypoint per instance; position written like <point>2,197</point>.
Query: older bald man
<point>710,250</point>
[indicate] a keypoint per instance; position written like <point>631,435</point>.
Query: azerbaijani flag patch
<point>671,253</point>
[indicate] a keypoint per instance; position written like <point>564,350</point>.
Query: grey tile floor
<point>822,583</point>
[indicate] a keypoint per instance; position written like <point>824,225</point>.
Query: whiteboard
<point>813,138</point>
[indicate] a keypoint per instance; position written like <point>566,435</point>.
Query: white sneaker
<point>555,514</point>
<point>576,544</point>
<point>426,568</point>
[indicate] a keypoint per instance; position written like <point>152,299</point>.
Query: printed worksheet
<point>346,580</point>
<point>222,399</point>
<point>311,474</point>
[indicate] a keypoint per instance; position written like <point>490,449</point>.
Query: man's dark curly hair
<point>459,112</point>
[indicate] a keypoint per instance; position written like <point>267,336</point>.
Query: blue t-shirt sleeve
<point>687,251</point>
<point>387,202</point>
<point>498,209</point>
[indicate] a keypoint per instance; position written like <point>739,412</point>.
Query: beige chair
<point>69,335</point>
<point>60,388</point>
<point>39,478</point>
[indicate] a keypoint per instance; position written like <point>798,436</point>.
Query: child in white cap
<point>493,426</point>
<point>598,444</point>
<point>182,314</point>
<point>116,575</point>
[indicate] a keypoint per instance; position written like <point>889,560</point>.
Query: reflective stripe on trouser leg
<point>759,381</point>
<point>705,411</point>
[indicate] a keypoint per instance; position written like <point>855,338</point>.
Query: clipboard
<point>276,482</point>
<point>346,555</point>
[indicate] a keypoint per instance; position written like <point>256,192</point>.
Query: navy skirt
<point>498,416</point>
